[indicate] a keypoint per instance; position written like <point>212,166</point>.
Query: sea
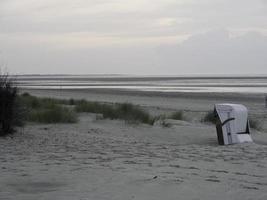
<point>208,83</point>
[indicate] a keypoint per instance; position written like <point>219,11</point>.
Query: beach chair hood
<point>232,124</point>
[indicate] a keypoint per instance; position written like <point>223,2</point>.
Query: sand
<point>110,159</point>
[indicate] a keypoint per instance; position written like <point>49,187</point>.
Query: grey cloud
<point>22,31</point>
<point>209,53</point>
<point>216,52</point>
<point>204,15</point>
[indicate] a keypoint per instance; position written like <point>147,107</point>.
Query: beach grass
<point>51,110</point>
<point>56,114</point>
<point>34,102</point>
<point>93,107</point>
<point>47,110</point>
<point>178,115</point>
<point>124,111</point>
<point>132,112</point>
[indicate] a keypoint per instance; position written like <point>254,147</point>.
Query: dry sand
<point>105,159</point>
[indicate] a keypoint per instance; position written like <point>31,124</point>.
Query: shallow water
<point>147,83</point>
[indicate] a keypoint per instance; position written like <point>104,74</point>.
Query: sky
<point>151,37</point>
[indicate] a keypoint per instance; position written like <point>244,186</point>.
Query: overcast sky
<point>134,36</point>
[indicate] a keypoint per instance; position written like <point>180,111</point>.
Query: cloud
<point>102,28</point>
<point>217,52</point>
<point>213,52</point>
<point>130,17</point>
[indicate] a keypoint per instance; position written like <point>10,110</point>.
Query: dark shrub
<point>8,94</point>
<point>71,102</point>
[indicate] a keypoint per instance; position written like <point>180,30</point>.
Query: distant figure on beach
<point>265,101</point>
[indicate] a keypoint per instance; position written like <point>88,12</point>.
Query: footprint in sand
<point>249,187</point>
<point>219,171</point>
<point>212,180</point>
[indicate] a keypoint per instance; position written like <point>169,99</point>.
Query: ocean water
<point>231,84</point>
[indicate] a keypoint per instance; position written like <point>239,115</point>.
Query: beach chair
<point>232,124</point>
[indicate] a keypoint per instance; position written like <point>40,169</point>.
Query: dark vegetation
<point>209,117</point>
<point>8,94</point>
<point>179,115</point>
<point>47,110</point>
<point>255,124</point>
<point>50,110</point>
<point>125,111</point>
<point>16,109</point>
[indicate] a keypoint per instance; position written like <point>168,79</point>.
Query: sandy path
<point>113,160</point>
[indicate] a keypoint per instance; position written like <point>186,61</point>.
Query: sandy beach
<point>110,159</point>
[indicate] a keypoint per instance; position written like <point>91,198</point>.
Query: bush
<point>177,115</point>
<point>8,95</point>
<point>55,114</point>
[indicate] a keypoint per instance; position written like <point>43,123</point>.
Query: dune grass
<point>56,114</point>
<point>34,102</point>
<point>131,112</point>
<point>47,110</point>
<point>124,111</point>
<point>93,107</point>
<point>50,110</point>
<point>178,115</point>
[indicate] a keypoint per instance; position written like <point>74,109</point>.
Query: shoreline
<point>203,95</point>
